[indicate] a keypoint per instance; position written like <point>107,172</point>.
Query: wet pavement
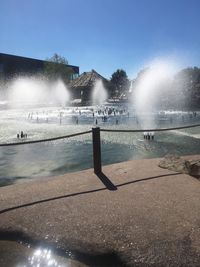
<point>134,214</point>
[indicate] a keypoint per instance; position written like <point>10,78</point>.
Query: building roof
<point>14,64</point>
<point>87,79</point>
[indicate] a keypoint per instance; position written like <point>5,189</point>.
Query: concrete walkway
<point>136,214</point>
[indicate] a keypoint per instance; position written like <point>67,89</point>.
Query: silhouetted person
<point>18,136</point>
<point>117,122</point>
<point>152,135</point>
<point>96,122</point>
<point>22,134</point>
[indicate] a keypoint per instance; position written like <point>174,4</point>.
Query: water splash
<point>99,93</point>
<point>26,91</point>
<point>60,93</point>
<point>150,87</point>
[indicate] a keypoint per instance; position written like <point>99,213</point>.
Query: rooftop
<point>87,79</point>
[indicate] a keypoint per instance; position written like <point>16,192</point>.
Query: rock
<point>178,164</point>
<point>174,163</point>
<point>194,168</point>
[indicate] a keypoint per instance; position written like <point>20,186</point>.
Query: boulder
<point>194,168</point>
<point>178,164</point>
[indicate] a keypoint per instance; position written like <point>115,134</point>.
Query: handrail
<point>149,130</point>
<point>45,140</point>
<point>102,130</point>
<point>96,139</point>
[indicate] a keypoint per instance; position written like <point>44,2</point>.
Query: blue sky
<point>102,34</point>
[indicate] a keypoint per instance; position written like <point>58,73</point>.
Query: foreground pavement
<point>134,214</point>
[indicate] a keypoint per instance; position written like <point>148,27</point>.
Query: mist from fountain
<point>36,91</point>
<point>153,84</point>
<point>99,93</point>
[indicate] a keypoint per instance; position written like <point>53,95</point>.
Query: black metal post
<point>96,150</point>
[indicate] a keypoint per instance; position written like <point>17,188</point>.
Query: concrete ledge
<point>150,218</point>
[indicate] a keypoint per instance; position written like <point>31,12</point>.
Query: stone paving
<point>134,214</point>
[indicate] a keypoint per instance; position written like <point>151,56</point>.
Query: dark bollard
<point>96,150</point>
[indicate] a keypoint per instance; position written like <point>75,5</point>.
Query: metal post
<point>96,149</point>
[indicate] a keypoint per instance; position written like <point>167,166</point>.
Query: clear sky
<point>102,34</point>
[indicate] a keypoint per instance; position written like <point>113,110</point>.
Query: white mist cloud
<point>36,90</point>
<point>99,93</point>
<point>149,87</point>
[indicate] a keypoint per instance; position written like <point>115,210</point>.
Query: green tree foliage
<point>189,80</point>
<point>119,83</point>
<point>56,68</point>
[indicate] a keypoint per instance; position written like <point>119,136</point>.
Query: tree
<point>119,83</point>
<point>188,80</point>
<point>56,67</point>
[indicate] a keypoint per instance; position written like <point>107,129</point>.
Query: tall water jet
<point>25,91</point>
<point>151,86</point>
<point>99,93</point>
<point>60,93</point>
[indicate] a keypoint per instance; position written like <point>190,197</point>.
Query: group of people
<point>22,135</point>
<point>148,135</point>
<point>109,111</point>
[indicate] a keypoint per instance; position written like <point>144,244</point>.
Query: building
<point>81,87</point>
<point>11,65</point>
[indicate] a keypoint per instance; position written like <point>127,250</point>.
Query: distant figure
<point>17,136</point>
<point>104,118</point>
<point>117,122</point>
<point>22,134</point>
<point>77,120</point>
<point>96,122</point>
<point>152,135</point>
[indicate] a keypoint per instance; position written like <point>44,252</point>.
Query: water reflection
<point>43,257</point>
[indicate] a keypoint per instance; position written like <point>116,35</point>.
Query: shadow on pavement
<point>88,254</point>
<point>109,185</point>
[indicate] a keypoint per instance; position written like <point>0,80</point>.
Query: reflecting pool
<point>40,160</point>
